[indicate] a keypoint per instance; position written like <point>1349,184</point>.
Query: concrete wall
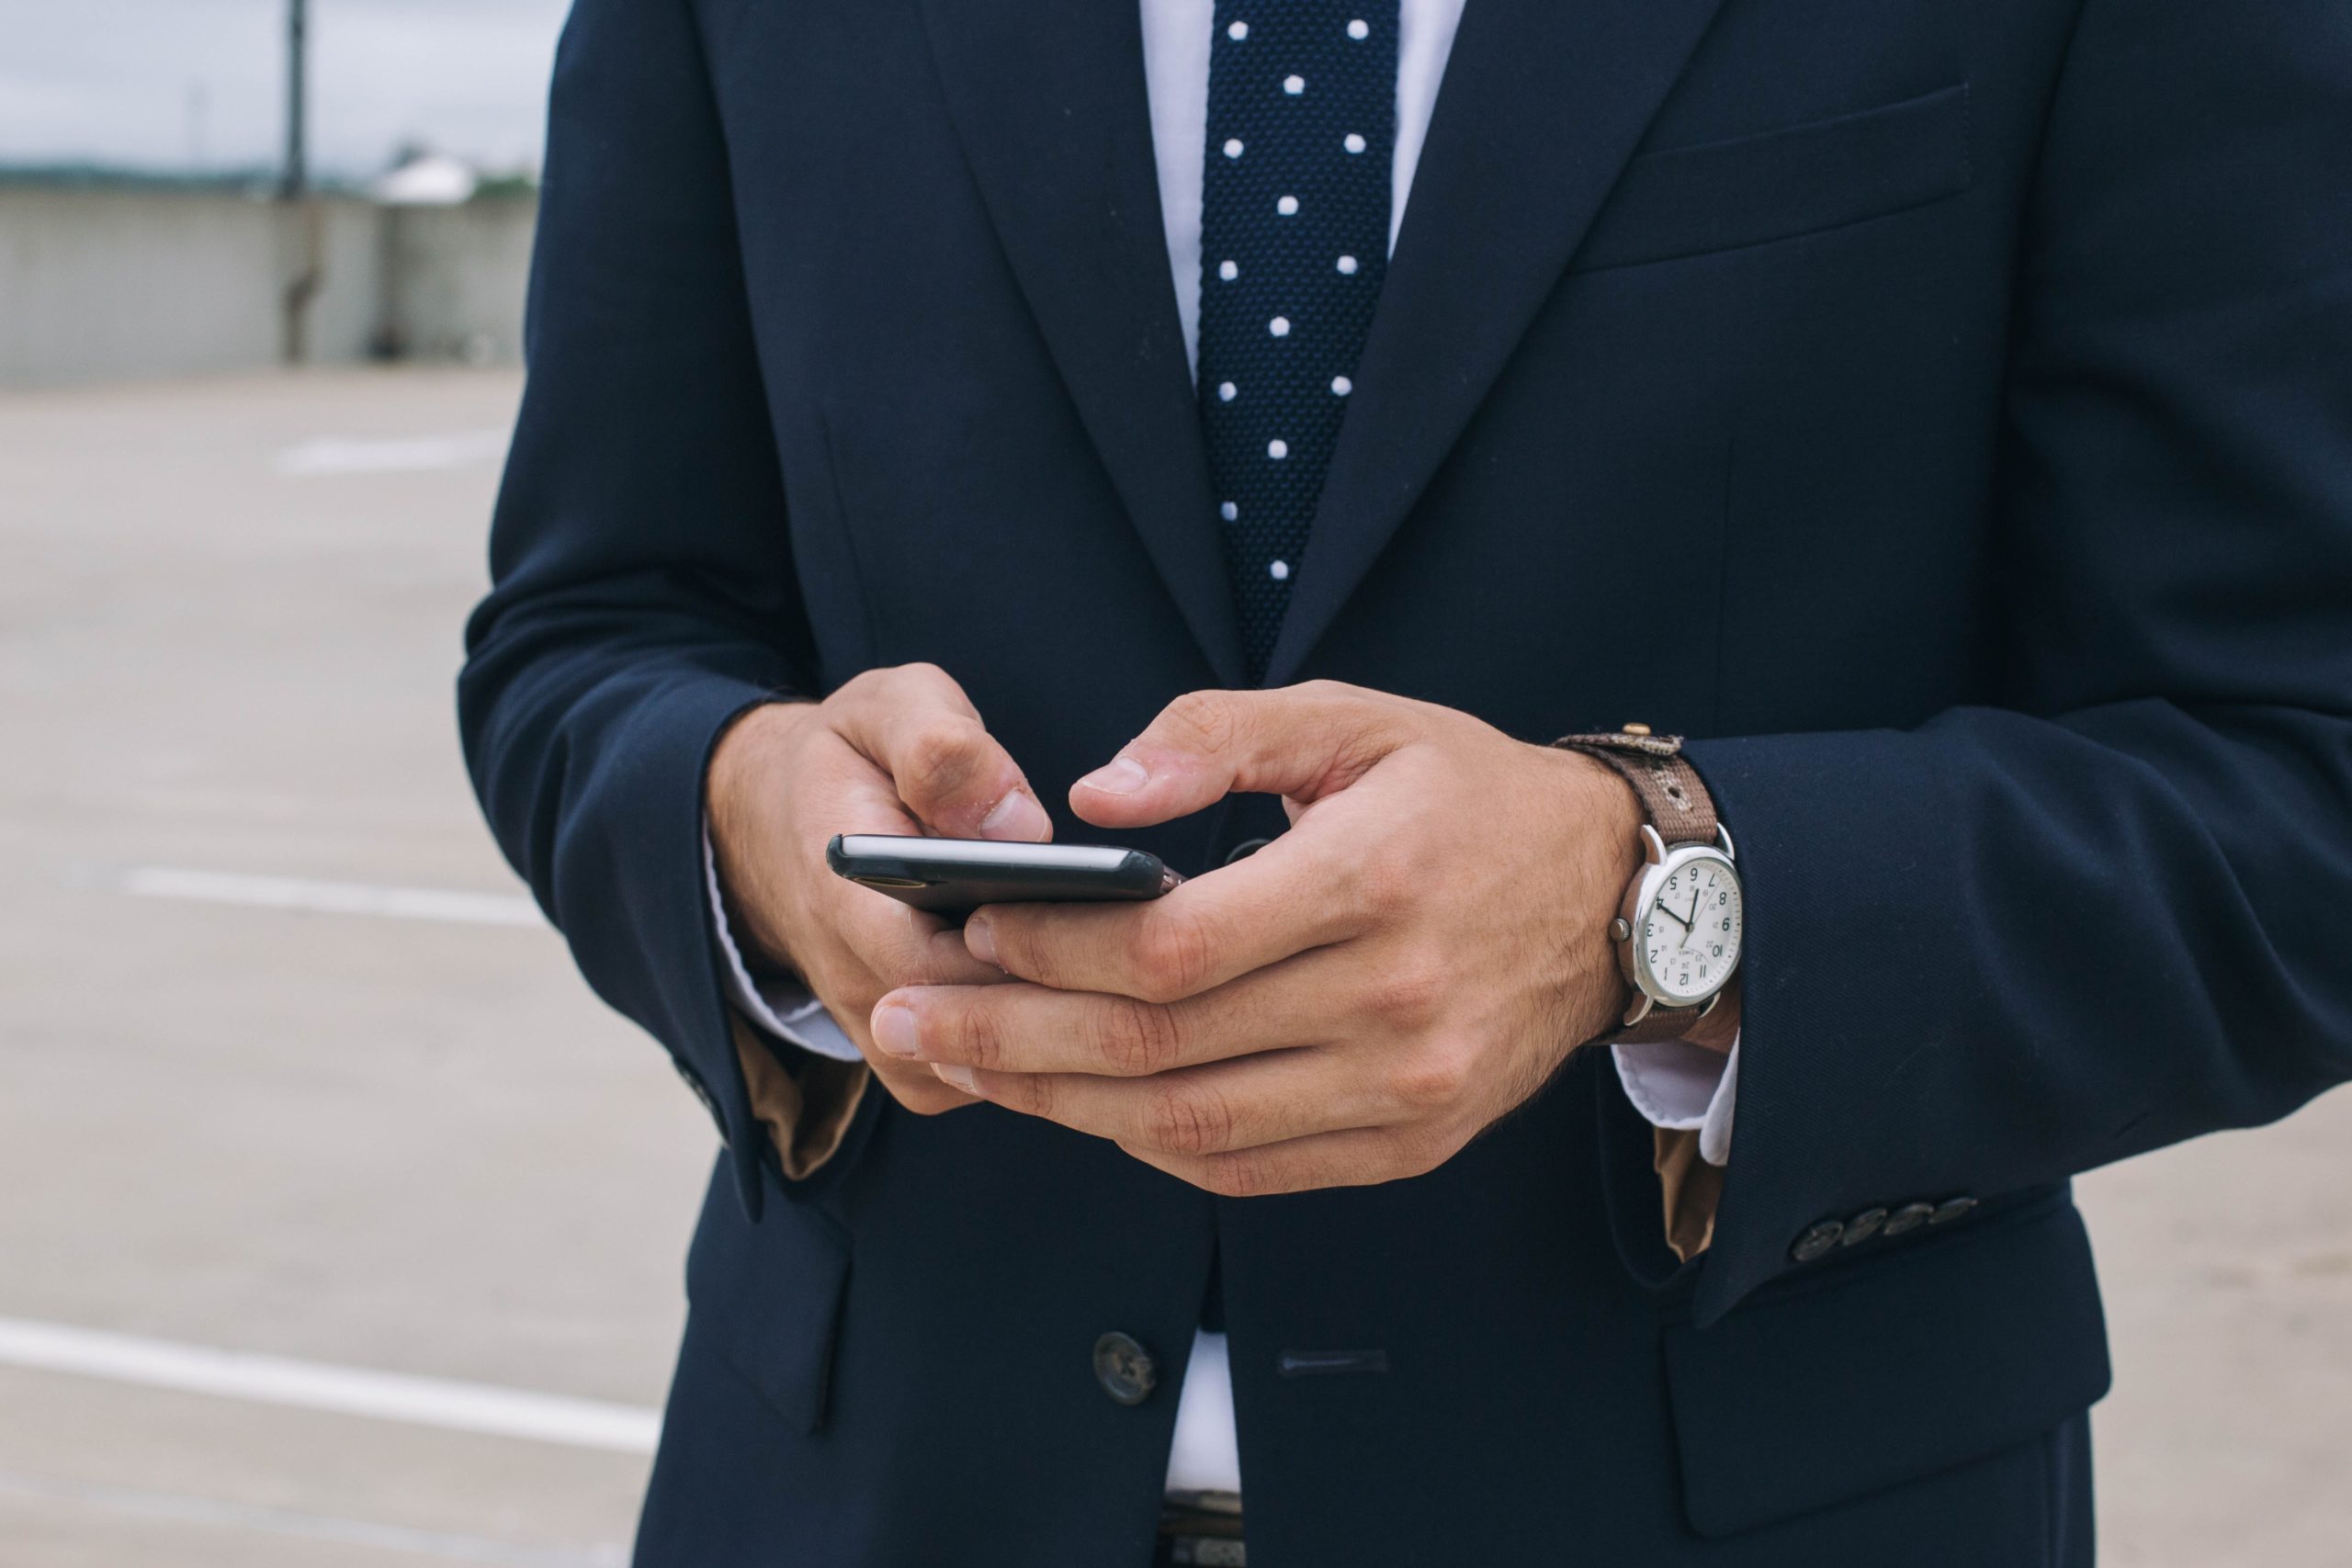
<point>98,284</point>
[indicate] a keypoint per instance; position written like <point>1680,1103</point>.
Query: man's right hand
<point>897,750</point>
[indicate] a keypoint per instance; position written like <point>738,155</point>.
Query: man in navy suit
<point>1223,427</point>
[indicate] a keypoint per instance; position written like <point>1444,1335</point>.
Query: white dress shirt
<point>1672,1085</point>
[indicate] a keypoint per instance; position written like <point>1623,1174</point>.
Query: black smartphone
<point>954,876</point>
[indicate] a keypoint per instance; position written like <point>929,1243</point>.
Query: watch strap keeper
<point>1673,799</point>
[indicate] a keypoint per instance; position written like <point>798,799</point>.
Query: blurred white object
<point>428,179</point>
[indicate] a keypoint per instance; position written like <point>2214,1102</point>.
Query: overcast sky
<point>175,83</point>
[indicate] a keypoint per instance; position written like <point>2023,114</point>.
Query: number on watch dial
<point>1690,939</point>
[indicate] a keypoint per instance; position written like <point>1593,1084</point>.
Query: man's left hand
<point>1350,1005</point>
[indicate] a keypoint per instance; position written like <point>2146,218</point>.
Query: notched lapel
<point>1543,103</point>
<point>1049,99</point>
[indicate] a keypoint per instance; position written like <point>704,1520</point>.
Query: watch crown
<point>1620,930</point>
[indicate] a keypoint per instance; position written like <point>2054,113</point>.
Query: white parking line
<point>332,897</point>
<point>342,1391</point>
<point>334,455</point>
<point>136,1504</point>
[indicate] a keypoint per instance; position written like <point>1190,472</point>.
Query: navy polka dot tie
<point>1295,215</point>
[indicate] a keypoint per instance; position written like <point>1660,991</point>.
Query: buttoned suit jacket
<point>1940,409</point>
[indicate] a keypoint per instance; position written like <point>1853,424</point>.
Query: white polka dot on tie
<point>1294,86</point>
<point>1279,326</point>
<point>1237,32</point>
<point>1228,512</point>
<point>1277,450</point>
<point>1279,571</point>
<point>1227,391</point>
<point>1342,386</point>
<point>1287,206</point>
<point>1233,147</point>
<point>1348,266</point>
<point>1358,29</point>
<point>1355,142</point>
<point>1229,270</point>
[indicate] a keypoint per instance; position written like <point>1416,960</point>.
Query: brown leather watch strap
<point>1672,796</point>
<point>1658,1023</point>
<point>1676,803</point>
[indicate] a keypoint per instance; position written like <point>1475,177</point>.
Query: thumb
<point>1302,742</point>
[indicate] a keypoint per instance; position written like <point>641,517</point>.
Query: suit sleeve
<point>643,589</point>
<point>2113,911</point>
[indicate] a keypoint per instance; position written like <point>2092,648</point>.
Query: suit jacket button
<point>1864,1225</point>
<point>1817,1241</point>
<point>1125,1368</point>
<point>1951,1210</point>
<point>1908,1218</point>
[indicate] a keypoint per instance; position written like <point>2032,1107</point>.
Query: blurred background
<point>338,1223</point>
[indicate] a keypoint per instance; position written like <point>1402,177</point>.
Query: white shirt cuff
<point>1679,1087</point>
<point>784,1009</point>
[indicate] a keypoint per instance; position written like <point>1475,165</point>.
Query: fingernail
<point>979,940</point>
<point>1121,775</point>
<point>1018,817</point>
<point>895,1031</point>
<point>956,1076</point>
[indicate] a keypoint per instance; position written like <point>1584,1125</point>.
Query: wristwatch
<point>1677,932</point>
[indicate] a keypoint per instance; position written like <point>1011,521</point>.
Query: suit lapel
<point>1050,100</point>
<point>1544,101</point>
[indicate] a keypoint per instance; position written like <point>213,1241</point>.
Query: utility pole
<point>296,178</point>
<point>305,272</point>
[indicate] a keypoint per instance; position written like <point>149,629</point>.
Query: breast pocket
<point>1718,196</point>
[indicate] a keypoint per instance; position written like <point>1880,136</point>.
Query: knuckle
<point>1025,1092</point>
<point>1237,1175</point>
<point>1429,1081</point>
<point>941,758</point>
<point>1410,996</point>
<point>1136,1039</point>
<point>1176,958</point>
<point>979,1037</point>
<point>1188,1118</point>
<point>922,672</point>
<point>1207,721</point>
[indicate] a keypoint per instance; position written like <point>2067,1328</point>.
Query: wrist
<point>1601,819</point>
<point>748,766</point>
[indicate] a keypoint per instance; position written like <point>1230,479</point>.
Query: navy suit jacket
<point>1944,409</point>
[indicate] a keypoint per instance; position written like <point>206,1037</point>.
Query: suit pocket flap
<point>768,1296</point>
<point>1902,1367</point>
<point>1689,200</point>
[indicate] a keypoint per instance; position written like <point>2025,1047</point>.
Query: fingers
<point>901,946</point>
<point>1031,1028</point>
<point>1301,742</point>
<point>916,725</point>
<point>887,946</point>
<point>1359,1157</point>
<point>1263,1100</point>
<point>1212,930</point>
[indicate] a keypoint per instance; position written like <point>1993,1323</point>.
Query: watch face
<point>1688,943</point>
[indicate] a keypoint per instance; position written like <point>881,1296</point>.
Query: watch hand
<point>1678,919</point>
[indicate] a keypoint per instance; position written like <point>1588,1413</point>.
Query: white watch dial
<point>1690,933</point>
